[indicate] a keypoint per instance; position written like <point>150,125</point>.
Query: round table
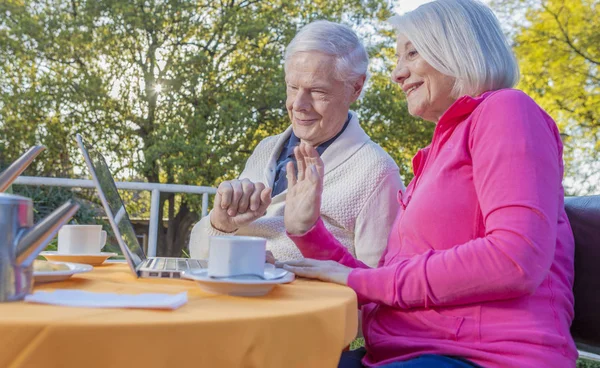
<point>302,324</point>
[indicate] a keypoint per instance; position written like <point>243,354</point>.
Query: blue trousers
<point>352,359</point>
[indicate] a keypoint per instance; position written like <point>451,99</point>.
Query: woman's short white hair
<point>462,39</point>
<point>333,39</point>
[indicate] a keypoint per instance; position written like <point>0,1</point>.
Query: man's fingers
<point>265,201</point>
<point>255,198</point>
<point>217,203</point>
<point>235,200</point>
<point>247,191</point>
<point>265,195</point>
<point>225,192</point>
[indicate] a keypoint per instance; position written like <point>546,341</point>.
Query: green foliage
<point>383,110</point>
<point>96,67</point>
<point>174,91</point>
<point>47,199</point>
<point>384,116</point>
<point>556,42</point>
<point>582,363</point>
<point>359,342</point>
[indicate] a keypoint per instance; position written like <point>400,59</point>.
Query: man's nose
<point>302,100</point>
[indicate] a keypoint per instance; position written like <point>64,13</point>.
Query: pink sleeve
<point>517,172</point>
<point>318,243</point>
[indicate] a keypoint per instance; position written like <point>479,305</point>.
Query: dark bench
<point>584,216</point>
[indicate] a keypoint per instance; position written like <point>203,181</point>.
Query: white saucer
<point>94,259</point>
<point>48,276</point>
<point>239,286</point>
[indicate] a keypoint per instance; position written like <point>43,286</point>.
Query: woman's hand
<point>329,271</point>
<point>303,199</point>
<point>270,258</point>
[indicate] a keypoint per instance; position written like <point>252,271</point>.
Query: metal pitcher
<point>21,242</point>
<point>16,168</point>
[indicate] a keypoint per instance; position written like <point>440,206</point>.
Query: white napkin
<point>79,298</point>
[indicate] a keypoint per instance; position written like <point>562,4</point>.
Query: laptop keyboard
<point>173,264</point>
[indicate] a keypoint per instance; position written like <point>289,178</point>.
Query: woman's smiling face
<point>428,92</point>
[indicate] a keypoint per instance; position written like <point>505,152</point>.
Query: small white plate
<point>48,276</point>
<point>94,259</point>
<point>238,286</point>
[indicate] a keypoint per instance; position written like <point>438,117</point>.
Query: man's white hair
<point>338,40</point>
<point>462,39</point>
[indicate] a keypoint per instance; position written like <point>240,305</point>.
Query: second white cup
<point>81,239</point>
<point>236,255</point>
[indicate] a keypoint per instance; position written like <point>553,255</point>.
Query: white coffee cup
<point>81,239</point>
<point>236,255</point>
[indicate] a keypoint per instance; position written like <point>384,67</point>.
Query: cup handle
<point>102,239</point>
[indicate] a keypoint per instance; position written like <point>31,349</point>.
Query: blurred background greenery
<point>181,91</point>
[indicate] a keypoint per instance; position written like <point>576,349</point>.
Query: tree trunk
<point>175,237</point>
<point>185,221</point>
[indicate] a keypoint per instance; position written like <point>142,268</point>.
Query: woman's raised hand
<point>303,199</point>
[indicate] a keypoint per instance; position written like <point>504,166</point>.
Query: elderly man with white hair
<point>325,72</point>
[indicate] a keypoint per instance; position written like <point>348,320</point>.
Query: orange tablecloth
<point>302,324</point>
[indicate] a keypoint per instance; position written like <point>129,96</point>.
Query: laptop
<point>142,266</point>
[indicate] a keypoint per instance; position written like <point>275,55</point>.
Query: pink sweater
<point>479,263</point>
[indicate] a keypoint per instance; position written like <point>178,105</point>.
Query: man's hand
<point>238,203</point>
<point>303,199</point>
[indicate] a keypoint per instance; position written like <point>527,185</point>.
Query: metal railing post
<point>204,204</point>
<point>153,226</point>
<point>154,188</point>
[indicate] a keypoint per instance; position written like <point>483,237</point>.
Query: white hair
<point>338,40</point>
<point>462,39</point>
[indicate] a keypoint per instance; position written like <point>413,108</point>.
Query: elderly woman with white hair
<point>478,270</point>
<point>325,71</point>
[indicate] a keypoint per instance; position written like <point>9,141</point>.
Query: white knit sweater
<point>359,202</point>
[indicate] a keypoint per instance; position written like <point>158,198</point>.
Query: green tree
<point>383,110</point>
<point>556,42</point>
<point>174,91</point>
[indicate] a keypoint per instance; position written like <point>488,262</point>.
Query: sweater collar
<point>342,148</point>
<point>293,141</point>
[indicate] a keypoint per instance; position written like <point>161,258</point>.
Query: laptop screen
<point>113,205</point>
